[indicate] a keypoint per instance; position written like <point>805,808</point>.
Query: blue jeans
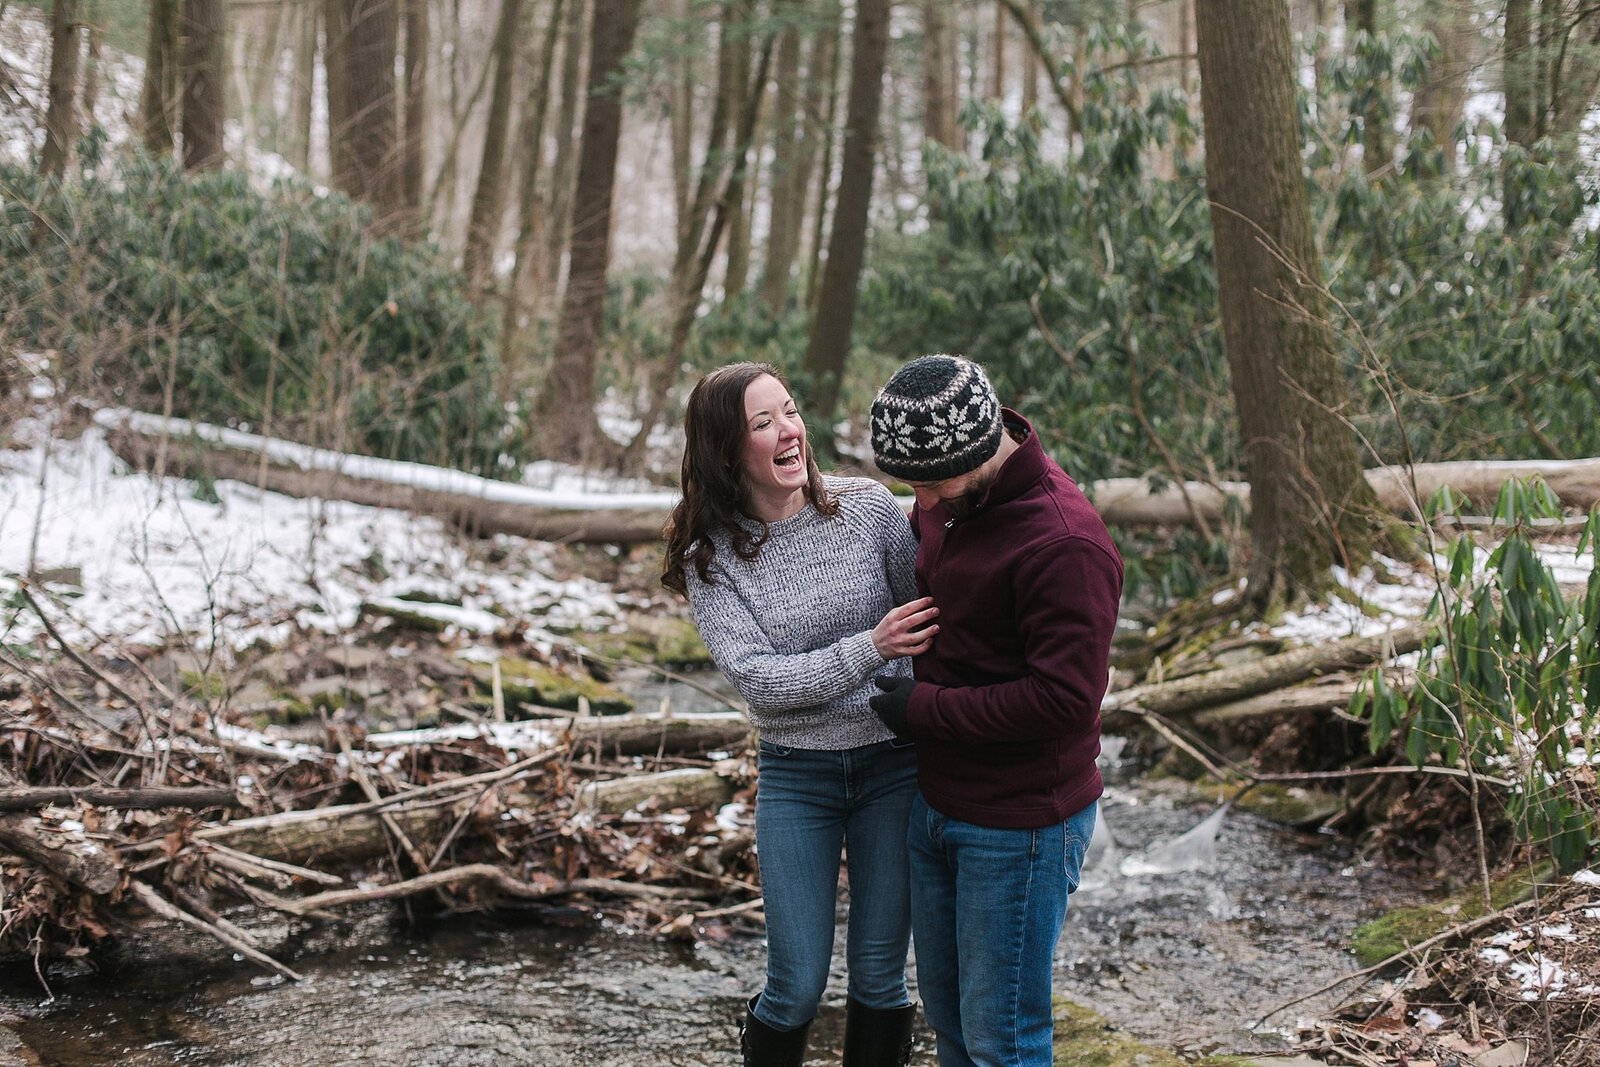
<point>987,906</point>
<point>809,803</point>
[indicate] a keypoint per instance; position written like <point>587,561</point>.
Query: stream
<point>1191,922</point>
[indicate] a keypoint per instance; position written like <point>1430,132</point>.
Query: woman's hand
<point>907,630</point>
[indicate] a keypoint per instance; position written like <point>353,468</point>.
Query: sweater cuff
<point>861,655</point>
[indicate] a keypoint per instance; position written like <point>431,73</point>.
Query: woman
<point>802,588</point>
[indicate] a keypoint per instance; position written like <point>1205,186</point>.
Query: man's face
<point>960,495</point>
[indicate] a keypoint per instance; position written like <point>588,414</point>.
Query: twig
<point>167,910</point>
<point>1470,926</point>
<point>360,775</point>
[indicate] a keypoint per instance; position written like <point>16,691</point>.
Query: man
<point>1005,708</point>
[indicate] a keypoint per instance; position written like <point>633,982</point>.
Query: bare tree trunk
<point>1031,64</point>
<point>1310,505</point>
<point>829,344</point>
<point>824,131</point>
<point>529,259</point>
<point>61,115</point>
<point>783,233</point>
<point>567,133</point>
<point>303,88</point>
<point>566,425</point>
<point>1441,97</point>
<point>1521,83</point>
<point>1376,151</point>
<point>158,96</point>
<point>1574,74</point>
<point>936,117</point>
<point>952,51</point>
<point>371,128</point>
<point>997,55</point>
<point>92,72</point>
<point>488,202</point>
<point>205,53</point>
<point>416,113</point>
<point>681,118</point>
<point>738,264</point>
<point>336,58</point>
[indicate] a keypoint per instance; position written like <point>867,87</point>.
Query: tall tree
<point>1361,16</point>
<point>1441,98</point>
<point>937,122</point>
<point>1520,74</point>
<point>61,113</point>
<point>566,425</point>
<point>529,257</point>
<point>416,112</point>
<point>488,201</point>
<point>738,259</point>
<point>158,95</point>
<point>783,232</point>
<point>302,92</point>
<point>363,116</point>
<point>829,343</point>
<point>567,133</point>
<point>204,59</point>
<point>1310,506</point>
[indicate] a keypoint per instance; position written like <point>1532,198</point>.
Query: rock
<point>356,657</point>
<point>277,667</point>
<point>68,576</point>
<point>525,682</point>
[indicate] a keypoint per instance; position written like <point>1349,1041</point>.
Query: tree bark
<point>372,129</point>
<point>32,798</point>
<point>819,107</point>
<point>412,178</point>
<point>829,345</point>
<point>94,61</point>
<point>567,137</point>
<point>1441,97</point>
<point>158,95</point>
<point>1311,507</point>
<point>681,114</point>
<point>67,855</point>
<point>565,422</point>
<point>302,93</point>
<point>488,201</point>
<point>997,55</point>
<point>1520,74</point>
<point>685,787</point>
<point>61,114</point>
<point>783,234</point>
<point>1376,141</point>
<point>936,117</point>
<point>737,270</point>
<point>204,84</point>
<point>526,280</point>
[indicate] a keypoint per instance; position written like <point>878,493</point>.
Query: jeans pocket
<point>1077,831</point>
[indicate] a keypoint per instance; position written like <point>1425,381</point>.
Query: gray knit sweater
<point>792,629</point>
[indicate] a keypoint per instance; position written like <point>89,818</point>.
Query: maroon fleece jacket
<point>1006,711</point>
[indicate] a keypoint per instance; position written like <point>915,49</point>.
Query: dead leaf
<point>1511,1054</point>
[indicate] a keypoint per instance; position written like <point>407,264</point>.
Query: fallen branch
<point>1191,693</point>
<point>66,854</point>
<point>497,877</point>
<point>167,910</point>
<point>687,787</point>
<point>32,798</point>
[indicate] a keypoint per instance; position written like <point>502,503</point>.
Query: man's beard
<point>964,505</point>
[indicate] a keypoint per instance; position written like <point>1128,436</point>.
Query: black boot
<point>878,1037</point>
<point>762,1046</point>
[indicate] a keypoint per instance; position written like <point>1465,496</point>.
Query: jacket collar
<point>1022,468</point>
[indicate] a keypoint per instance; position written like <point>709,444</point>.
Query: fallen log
<point>501,879</point>
<point>1324,695</point>
<point>188,449</point>
<point>32,798</point>
<point>64,853</point>
<point>181,448</point>
<point>686,787</point>
<point>1194,692</point>
<point>644,735</point>
<point>167,910</point>
<point>346,833</point>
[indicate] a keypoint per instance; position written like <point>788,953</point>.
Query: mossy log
<point>686,787</point>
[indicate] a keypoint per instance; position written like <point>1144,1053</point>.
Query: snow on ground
<point>157,561</point>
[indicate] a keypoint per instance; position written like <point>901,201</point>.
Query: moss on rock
<point>1085,1039</point>
<point>1389,934</point>
<point>525,682</point>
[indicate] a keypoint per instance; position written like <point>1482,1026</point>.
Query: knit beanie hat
<point>937,418</point>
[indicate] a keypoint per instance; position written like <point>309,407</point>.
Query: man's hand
<point>891,704</point>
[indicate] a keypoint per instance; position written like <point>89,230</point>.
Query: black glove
<point>891,704</point>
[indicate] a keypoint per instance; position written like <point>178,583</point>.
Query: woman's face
<point>774,453</point>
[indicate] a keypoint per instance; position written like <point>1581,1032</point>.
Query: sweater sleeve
<point>769,680</point>
<point>1066,602</point>
<point>899,546</point>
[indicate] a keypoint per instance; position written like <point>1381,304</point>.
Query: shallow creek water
<point>1187,928</point>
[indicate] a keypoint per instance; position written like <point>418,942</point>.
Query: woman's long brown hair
<point>714,490</point>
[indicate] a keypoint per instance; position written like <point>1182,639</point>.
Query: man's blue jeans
<point>987,907</point>
<point>809,803</point>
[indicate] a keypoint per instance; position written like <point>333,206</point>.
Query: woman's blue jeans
<point>987,906</point>
<point>809,802</point>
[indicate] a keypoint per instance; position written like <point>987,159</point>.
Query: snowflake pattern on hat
<point>937,418</point>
